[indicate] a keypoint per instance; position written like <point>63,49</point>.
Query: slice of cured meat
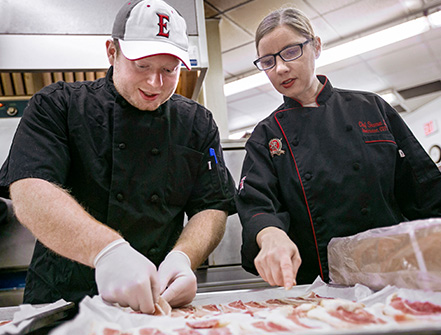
<point>270,326</point>
<point>203,324</point>
<point>416,308</point>
<point>187,331</point>
<point>162,307</point>
<point>150,331</point>
<point>220,331</point>
<point>235,306</point>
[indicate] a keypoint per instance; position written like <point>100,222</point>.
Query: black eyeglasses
<point>288,54</point>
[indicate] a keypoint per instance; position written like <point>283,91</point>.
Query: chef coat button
<point>280,115</point>
<point>122,146</point>
<point>295,142</point>
<point>153,251</point>
<point>119,197</point>
<point>319,220</point>
<point>356,166</point>
<point>154,199</point>
<point>348,127</point>
<point>308,176</point>
<point>364,211</point>
<point>348,98</point>
<point>155,151</point>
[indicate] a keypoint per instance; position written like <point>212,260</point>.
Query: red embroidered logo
<point>275,147</point>
<point>163,29</point>
<point>372,127</point>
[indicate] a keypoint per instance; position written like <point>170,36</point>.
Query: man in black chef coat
<point>103,172</point>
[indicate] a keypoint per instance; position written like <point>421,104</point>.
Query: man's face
<point>145,83</point>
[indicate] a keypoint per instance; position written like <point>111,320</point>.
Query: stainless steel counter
<point>224,278</point>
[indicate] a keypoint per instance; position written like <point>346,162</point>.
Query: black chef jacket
<point>3,212</point>
<point>136,171</point>
<point>348,165</point>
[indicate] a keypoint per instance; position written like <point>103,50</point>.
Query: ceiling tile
<point>239,61</point>
<point>364,80</point>
<point>375,13</point>
<point>415,103</point>
<point>232,36</point>
<point>259,9</point>
<point>256,98</point>
<point>224,5</point>
<point>209,11</point>
<point>410,77</point>
<point>255,107</point>
<point>434,43</point>
<point>324,30</point>
<point>397,61</point>
<point>324,7</point>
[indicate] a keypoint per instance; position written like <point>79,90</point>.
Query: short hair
<point>290,17</point>
<point>117,47</point>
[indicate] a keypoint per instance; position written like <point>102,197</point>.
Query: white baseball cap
<point>151,27</point>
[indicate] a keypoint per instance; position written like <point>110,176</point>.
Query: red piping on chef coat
<point>304,194</point>
<point>381,141</point>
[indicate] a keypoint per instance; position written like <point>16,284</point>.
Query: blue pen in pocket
<point>213,154</point>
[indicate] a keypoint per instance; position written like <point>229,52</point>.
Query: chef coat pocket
<point>182,170</point>
<point>215,170</point>
<point>385,137</point>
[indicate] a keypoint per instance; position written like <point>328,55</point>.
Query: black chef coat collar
<point>323,96</point>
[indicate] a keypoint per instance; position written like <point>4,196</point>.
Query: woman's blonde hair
<point>291,17</point>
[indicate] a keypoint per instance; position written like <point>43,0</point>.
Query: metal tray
<point>41,320</point>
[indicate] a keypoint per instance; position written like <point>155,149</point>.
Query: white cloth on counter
<point>26,315</point>
<point>95,315</point>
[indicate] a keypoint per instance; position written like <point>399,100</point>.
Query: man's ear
<point>111,51</point>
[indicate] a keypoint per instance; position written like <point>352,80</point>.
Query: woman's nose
<point>281,65</point>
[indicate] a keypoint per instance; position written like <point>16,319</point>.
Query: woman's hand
<point>278,260</point>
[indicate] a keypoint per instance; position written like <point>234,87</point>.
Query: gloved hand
<point>177,280</point>
<point>125,276</point>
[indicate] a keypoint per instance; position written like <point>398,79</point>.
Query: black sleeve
<point>40,145</point>
<point>258,202</point>
<point>417,178</point>
<point>3,212</point>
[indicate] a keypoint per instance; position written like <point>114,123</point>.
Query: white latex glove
<point>177,279</point>
<point>125,276</point>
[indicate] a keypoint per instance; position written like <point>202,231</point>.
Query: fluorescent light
<point>350,49</point>
<point>246,83</point>
<point>390,97</point>
<point>435,19</point>
<point>373,41</point>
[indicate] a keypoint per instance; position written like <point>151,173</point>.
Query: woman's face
<point>295,79</point>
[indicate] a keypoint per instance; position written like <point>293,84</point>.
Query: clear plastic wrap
<point>406,255</point>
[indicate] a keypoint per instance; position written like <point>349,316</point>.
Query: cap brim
<point>140,49</point>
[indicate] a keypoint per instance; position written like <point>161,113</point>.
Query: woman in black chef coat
<point>328,162</point>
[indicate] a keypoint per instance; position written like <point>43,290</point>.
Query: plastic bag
<point>406,255</point>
